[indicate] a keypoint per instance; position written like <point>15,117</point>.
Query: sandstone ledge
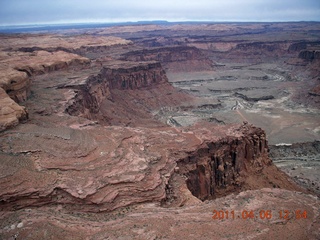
<point>52,43</point>
<point>10,112</point>
<point>15,72</point>
<point>102,169</point>
<point>124,93</point>
<point>149,221</point>
<point>16,69</point>
<point>22,57</point>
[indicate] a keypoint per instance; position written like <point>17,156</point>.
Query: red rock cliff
<point>176,59</point>
<point>101,169</point>
<point>215,169</point>
<point>125,90</point>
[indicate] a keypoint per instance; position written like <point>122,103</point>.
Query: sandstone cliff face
<point>234,163</point>
<point>214,169</point>
<point>17,69</point>
<point>10,112</point>
<point>123,91</point>
<point>126,77</point>
<point>175,59</point>
<point>101,169</point>
<point>22,57</point>
<point>261,46</point>
<point>300,46</point>
<point>258,50</point>
<point>15,83</point>
<point>307,62</point>
<point>309,55</point>
<point>295,150</point>
<point>135,77</point>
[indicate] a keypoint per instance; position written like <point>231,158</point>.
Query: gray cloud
<point>36,11</point>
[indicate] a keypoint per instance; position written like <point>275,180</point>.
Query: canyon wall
<point>219,168</point>
<point>124,76</point>
<point>23,57</point>
<point>88,165</point>
<point>174,59</point>
<point>125,93</point>
<point>309,54</point>
<point>16,72</point>
<point>295,150</point>
<point>10,112</point>
<point>101,169</point>
<point>18,69</point>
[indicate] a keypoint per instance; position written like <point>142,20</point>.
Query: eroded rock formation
<point>309,55</point>
<point>123,92</point>
<point>175,59</point>
<point>92,162</point>
<point>16,70</point>
<point>26,57</point>
<point>217,166</point>
<point>88,171</point>
<point>10,112</point>
<point>122,76</point>
<point>149,221</point>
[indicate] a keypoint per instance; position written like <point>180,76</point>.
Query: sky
<point>16,12</point>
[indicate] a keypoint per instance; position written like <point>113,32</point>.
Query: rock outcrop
<point>149,221</point>
<point>17,69</point>
<point>24,57</point>
<point>87,171</point>
<point>216,167</point>
<point>295,150</point>
<point>15,72</point>
<point>231,164</point>
<point>94,162</point>
<point>174,59</point>
<point>10,112</point>
<point>53,43</point>
<point>252,96</point>
<point>309,55</point>
<point>122,92</point>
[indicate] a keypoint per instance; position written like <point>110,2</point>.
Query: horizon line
<point>153,21</point>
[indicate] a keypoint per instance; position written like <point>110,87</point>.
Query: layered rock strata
<point>16,70</point>
<point>24,57</point>
<point>15,73</point>
<point>10,112</point>
<point>122,92</point>
<point>53,43</point>
<point>217,166</point>
<point>174,59</point>
<point>67,177</point>
<point>97,87</point>
<point>231,164</point>
<point>309,54</point>
<point>102,169</point>
<point>149,221</point>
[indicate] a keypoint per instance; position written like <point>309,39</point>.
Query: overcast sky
<point>65,11</point>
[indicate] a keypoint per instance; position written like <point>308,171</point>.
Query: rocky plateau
<point>173,131</point>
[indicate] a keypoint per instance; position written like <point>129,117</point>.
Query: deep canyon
<point>142,131</point>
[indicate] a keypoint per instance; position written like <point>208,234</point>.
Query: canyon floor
<point>161,131</point>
